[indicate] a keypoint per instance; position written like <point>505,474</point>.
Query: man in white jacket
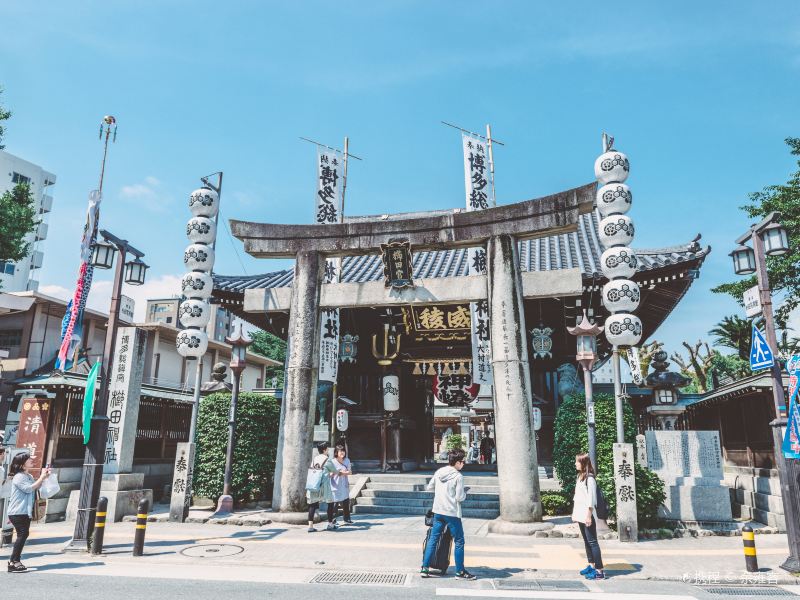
<point>449,493</point>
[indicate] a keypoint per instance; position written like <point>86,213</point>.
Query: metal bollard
<point>99,525</point>
<point>750,558</point>
<point>141,525</point>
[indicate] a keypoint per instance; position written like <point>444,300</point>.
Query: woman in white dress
<point>340,485</point>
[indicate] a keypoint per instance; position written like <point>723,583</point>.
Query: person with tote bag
<point>586,501</point>
<point>318,484</point>
<point>20,504</point>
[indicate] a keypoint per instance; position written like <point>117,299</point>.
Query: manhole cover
<point>360,578</point>
<point>541,585</point>
<point>212,550</point>
<point>745,591</point>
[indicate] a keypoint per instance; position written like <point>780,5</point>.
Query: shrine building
<point>543,270</point>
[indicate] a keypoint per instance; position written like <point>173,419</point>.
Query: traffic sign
<point>752,302</point>
<point>760,354</point>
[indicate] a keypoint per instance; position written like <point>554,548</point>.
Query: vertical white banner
<point>476,181</point>
<point>329,344</point>
<point>330,177</point>
<point>635,363</point>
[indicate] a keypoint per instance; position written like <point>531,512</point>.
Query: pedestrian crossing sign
<point>760,354</point>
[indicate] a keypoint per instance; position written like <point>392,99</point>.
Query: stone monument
<point>690,463</point>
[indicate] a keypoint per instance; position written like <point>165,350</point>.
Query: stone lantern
<point>665,386</point>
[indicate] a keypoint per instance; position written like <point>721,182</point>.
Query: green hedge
<point>571,438</point>
<point>257,423</point>
<point>556,503</point>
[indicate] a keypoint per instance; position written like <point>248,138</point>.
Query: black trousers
<point>312,508</point>
<point>589,535</point>
<point>22,524</point>
<point>333,510</point>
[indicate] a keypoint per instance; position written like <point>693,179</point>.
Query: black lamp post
<point>239,342</point>
<point>94,459</point>
<point>770,238</point>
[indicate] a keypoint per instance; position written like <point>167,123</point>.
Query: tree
<point>271,346</point>
<point>698,367</point>
<point>4,116</point>
<point>17,219</point>
<point>730,365</point>
<point>783,271</point>
<point>734,332</point>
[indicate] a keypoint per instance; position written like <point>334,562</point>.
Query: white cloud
<point>148,194</point>
<point>165,286</point>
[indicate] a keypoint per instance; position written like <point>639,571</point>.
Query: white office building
<point>22,275</point>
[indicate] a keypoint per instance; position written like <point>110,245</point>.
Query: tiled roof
<point>580,249</point>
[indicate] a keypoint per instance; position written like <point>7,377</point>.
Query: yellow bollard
<point>750,558</point>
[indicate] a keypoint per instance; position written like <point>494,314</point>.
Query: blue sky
<point>700,96</point>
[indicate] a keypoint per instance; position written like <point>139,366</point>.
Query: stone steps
<point>380,493</point>
<point>471,513</point>
<point>425,502</point>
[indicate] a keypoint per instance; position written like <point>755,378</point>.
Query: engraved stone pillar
<point>517,463</point>
<point>625,485</point>
<point>300,389</point>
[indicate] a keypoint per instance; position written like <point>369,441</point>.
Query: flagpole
<point>491,162</point>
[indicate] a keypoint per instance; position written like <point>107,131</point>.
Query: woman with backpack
<point>318,485</point>
<point>584,513</point>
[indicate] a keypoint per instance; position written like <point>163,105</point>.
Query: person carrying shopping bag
<point>584,513</point>
<point>340,485</point>
<point>449,493</point>
<point>20,504</point>
<point>318,485</point>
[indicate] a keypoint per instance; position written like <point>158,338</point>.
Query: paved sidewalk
<point>288,554</point>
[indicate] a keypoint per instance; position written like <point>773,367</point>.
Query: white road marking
<point>551,595</point>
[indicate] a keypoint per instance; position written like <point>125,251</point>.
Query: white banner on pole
<point>476,181</point>
<point>635,363</point>
<point>330,177</point>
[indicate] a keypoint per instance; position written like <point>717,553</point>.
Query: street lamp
<point>769,237</point>
<point>586,355</point>
<point>239,342</point>
<point>744,260</point>
<point>135,272</point>
<point>103,257</point>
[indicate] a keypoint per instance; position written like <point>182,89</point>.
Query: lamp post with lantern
<point>239,341</point>
<point>131,272</point>
<point>769,238</point>
<point>586,355</point>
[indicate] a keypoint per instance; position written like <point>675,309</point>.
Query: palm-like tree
<point>734,332</point>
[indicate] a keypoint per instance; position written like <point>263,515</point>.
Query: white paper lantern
<point>623,329</point>
<point>194,313</point>
<point>614,198</point>
<point>616,230</point>
<point>197,284</point>
<point>198,257</point>
<point>192,343</point>
<point>611,167</point>
<point>201,230</point>
<point>618,261</point>
<point>342,420</point>
<point>391,393</point>
<point>204,202</point>
<point>621,295</point>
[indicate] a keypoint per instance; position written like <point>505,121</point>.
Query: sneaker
<point>348,522</point>
<point>595,575</point>
<point>587,570</point>
<point>465,575</point>
<point>424,572</point>
<point>311,530</point>
<point>332,527</point>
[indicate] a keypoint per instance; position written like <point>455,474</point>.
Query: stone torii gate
<point>498,229</point>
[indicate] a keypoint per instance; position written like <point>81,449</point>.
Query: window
<point>6,268</point>
<point>19,178</point>
<point>169,319</point>
<point>10,338</point>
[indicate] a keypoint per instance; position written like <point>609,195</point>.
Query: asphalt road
<point>81,587</point>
